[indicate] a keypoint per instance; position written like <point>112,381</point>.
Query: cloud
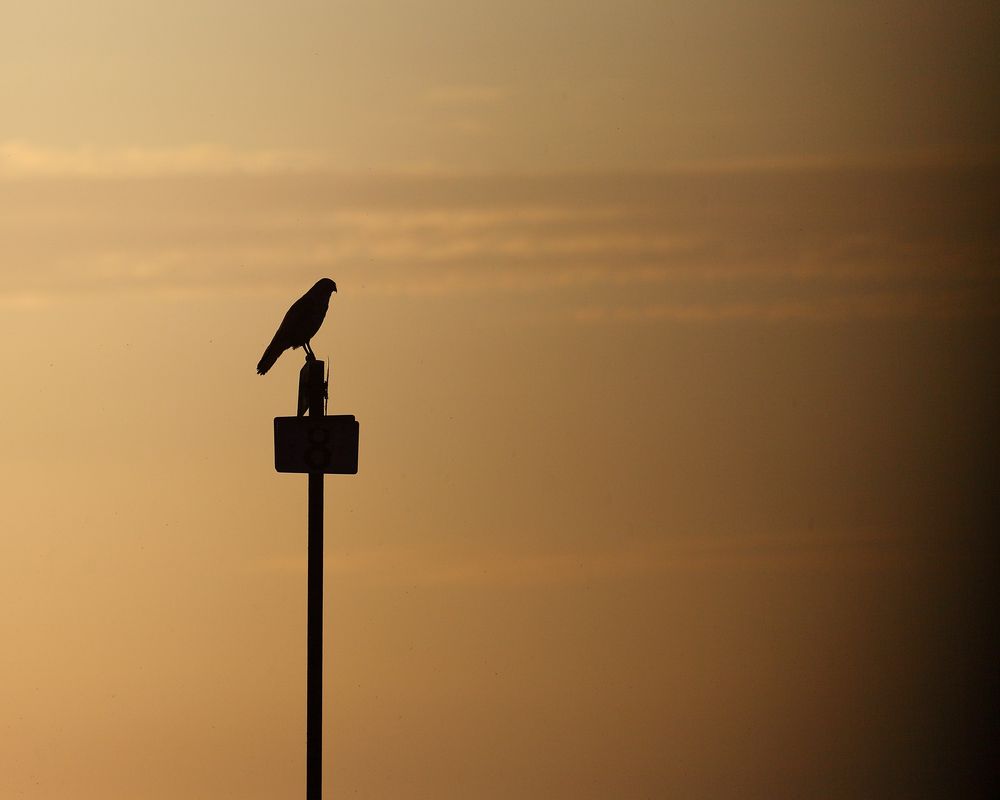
<point>621,248</point>
<point>805,550</point>
<point>928,304</point>
<point>460,108</point>
<point>23,159</point>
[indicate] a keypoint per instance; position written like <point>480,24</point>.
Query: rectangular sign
<point>326,444</point>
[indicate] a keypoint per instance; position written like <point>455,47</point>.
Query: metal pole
<point>314,623</point>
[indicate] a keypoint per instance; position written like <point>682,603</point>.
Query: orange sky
<point>669,327</point>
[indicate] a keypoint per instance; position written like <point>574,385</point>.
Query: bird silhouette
<point>300,324</point>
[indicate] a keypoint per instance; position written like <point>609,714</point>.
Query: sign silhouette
<point>317,444</point>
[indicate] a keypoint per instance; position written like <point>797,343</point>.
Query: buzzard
<point>300,324</point>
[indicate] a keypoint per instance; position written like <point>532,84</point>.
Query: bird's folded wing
<point>293,323</point>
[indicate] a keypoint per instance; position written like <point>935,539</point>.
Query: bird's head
<point>325,286</point>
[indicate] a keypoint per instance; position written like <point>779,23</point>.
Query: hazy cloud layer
<point>775,244</point>
<point>23,159</point>
<point>832,551</point>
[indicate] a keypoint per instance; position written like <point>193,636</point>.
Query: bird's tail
<point>270,356</point>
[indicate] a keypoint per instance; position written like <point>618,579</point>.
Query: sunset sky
<point>669,327</point>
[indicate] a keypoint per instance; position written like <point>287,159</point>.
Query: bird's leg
<point>310,355</point>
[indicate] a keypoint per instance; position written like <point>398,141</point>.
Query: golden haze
<point>669,327</point>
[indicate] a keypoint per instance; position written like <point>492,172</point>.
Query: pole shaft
<point>314,646</point>
<point>314,622</point>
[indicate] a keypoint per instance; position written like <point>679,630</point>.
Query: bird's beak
<point>334,287</point>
